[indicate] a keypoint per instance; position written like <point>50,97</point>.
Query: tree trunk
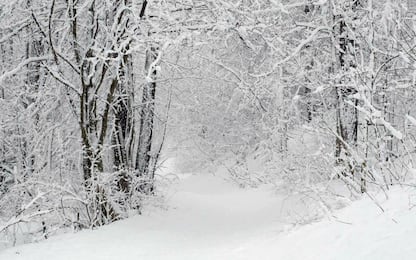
<point>346,114</point>
<point>123,131</point>
<point>146,128</point>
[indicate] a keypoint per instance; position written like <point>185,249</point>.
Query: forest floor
<point>209,218</point>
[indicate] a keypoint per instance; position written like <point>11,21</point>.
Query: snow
<point>361,231</point>
<point>210,218</point>
<point>411,119</point>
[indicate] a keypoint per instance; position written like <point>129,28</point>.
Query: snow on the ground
<point>209,218</point>
<point>360,231</point>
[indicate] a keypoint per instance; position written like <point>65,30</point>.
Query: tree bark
<point>346,114</point>
<point>147,114</point>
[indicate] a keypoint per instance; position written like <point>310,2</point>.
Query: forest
<point>312,98</point>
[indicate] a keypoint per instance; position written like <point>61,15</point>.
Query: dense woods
<point>95,95</point>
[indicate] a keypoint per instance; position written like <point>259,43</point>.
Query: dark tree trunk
<point>346,114</point>
<point>123,132</point>
<point>146,128</point>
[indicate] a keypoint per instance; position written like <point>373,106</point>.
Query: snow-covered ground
<point>209,218</point>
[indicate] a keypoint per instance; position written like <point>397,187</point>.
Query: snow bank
<point>360,231</point>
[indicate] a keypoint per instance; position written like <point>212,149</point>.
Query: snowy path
<point>208,218</point>
<point>211,219</point>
